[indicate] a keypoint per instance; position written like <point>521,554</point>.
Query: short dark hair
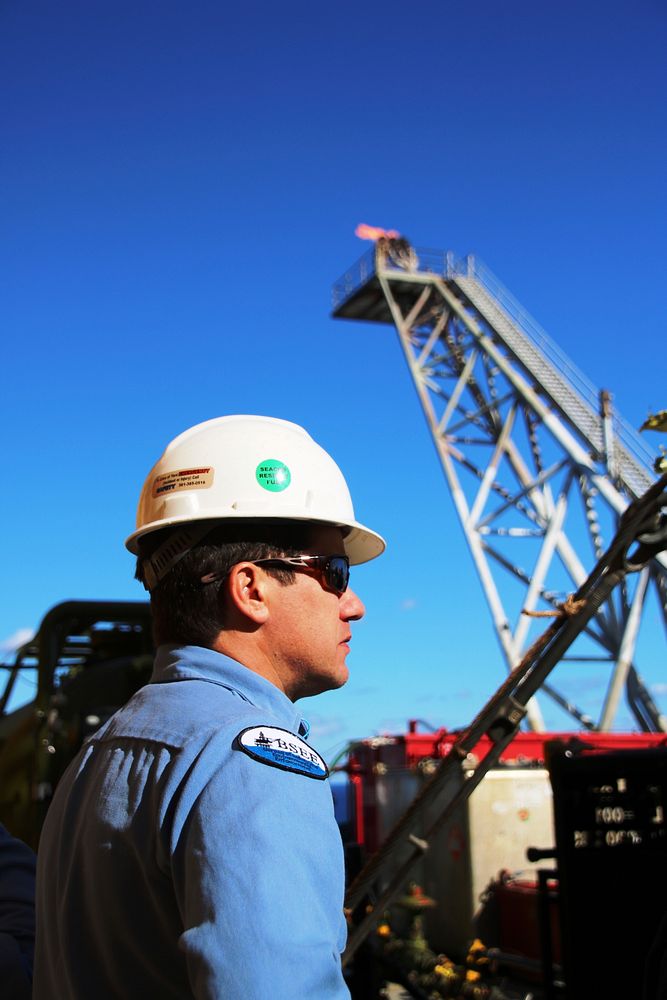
<point>187,612</point>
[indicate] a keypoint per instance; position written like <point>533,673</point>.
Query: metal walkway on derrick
<point>538,464</point>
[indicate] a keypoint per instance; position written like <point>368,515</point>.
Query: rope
<point>567,609</point>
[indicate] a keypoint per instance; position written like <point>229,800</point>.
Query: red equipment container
<point>509,811</point>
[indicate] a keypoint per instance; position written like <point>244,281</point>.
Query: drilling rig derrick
<point>539,467</point>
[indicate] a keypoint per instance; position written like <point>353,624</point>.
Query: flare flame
<point>365,232</point>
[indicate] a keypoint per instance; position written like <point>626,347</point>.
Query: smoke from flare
<point>365,232</point>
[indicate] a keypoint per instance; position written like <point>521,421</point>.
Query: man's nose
<point>351,608</point>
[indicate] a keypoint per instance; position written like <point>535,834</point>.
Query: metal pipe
<point>625,654</point>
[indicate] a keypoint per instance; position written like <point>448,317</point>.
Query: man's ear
<point>246,589</point>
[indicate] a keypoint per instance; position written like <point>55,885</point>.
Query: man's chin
<point>330,682</point>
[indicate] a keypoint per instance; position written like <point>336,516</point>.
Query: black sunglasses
<point>334,569</point>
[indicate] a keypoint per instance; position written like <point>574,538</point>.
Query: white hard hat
<point>249,467</point>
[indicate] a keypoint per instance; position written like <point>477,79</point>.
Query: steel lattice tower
<point>538,466</point>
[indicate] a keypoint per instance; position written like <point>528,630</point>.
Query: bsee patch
<point>280,748</point>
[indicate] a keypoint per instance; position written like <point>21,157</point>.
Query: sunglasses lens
<point>338,573</point>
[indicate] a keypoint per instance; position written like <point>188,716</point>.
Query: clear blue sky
<point>180,185</point>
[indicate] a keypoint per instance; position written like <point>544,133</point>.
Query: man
<point>17,916</point>
<point>191,848</point>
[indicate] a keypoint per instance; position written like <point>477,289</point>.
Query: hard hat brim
<point>361,544</point>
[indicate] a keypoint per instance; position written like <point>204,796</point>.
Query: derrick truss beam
<point>537,477</point>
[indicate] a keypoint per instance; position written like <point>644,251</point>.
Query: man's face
<point>310,629</point>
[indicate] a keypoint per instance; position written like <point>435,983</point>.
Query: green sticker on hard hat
<point>273,475</point>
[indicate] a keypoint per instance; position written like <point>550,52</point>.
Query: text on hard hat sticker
<point>273,475</point>
<point>183,479</point>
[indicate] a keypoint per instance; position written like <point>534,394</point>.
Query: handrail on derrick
<point>444,263</point>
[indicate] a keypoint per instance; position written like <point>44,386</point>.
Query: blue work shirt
<point>173,864</point>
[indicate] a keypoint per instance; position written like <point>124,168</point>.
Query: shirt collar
<point>180,663</point>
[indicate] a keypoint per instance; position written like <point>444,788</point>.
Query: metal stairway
<point>539,467</point>
<point>555,382</point>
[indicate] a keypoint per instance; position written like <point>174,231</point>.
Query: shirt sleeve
<point>258,870</point>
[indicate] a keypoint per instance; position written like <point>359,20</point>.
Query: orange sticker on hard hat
<point>182,479</point>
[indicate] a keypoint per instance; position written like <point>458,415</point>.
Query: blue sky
<point>180,187</point>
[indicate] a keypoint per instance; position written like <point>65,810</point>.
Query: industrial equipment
<point>642,534</point>
<point>87,659</point>
<point>611,851</point>
<point>539,466</point>
<point>520,435</point>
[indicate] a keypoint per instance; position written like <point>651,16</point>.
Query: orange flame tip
<point>365,232</point>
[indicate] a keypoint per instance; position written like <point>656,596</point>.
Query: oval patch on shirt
<point>280,748</point>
